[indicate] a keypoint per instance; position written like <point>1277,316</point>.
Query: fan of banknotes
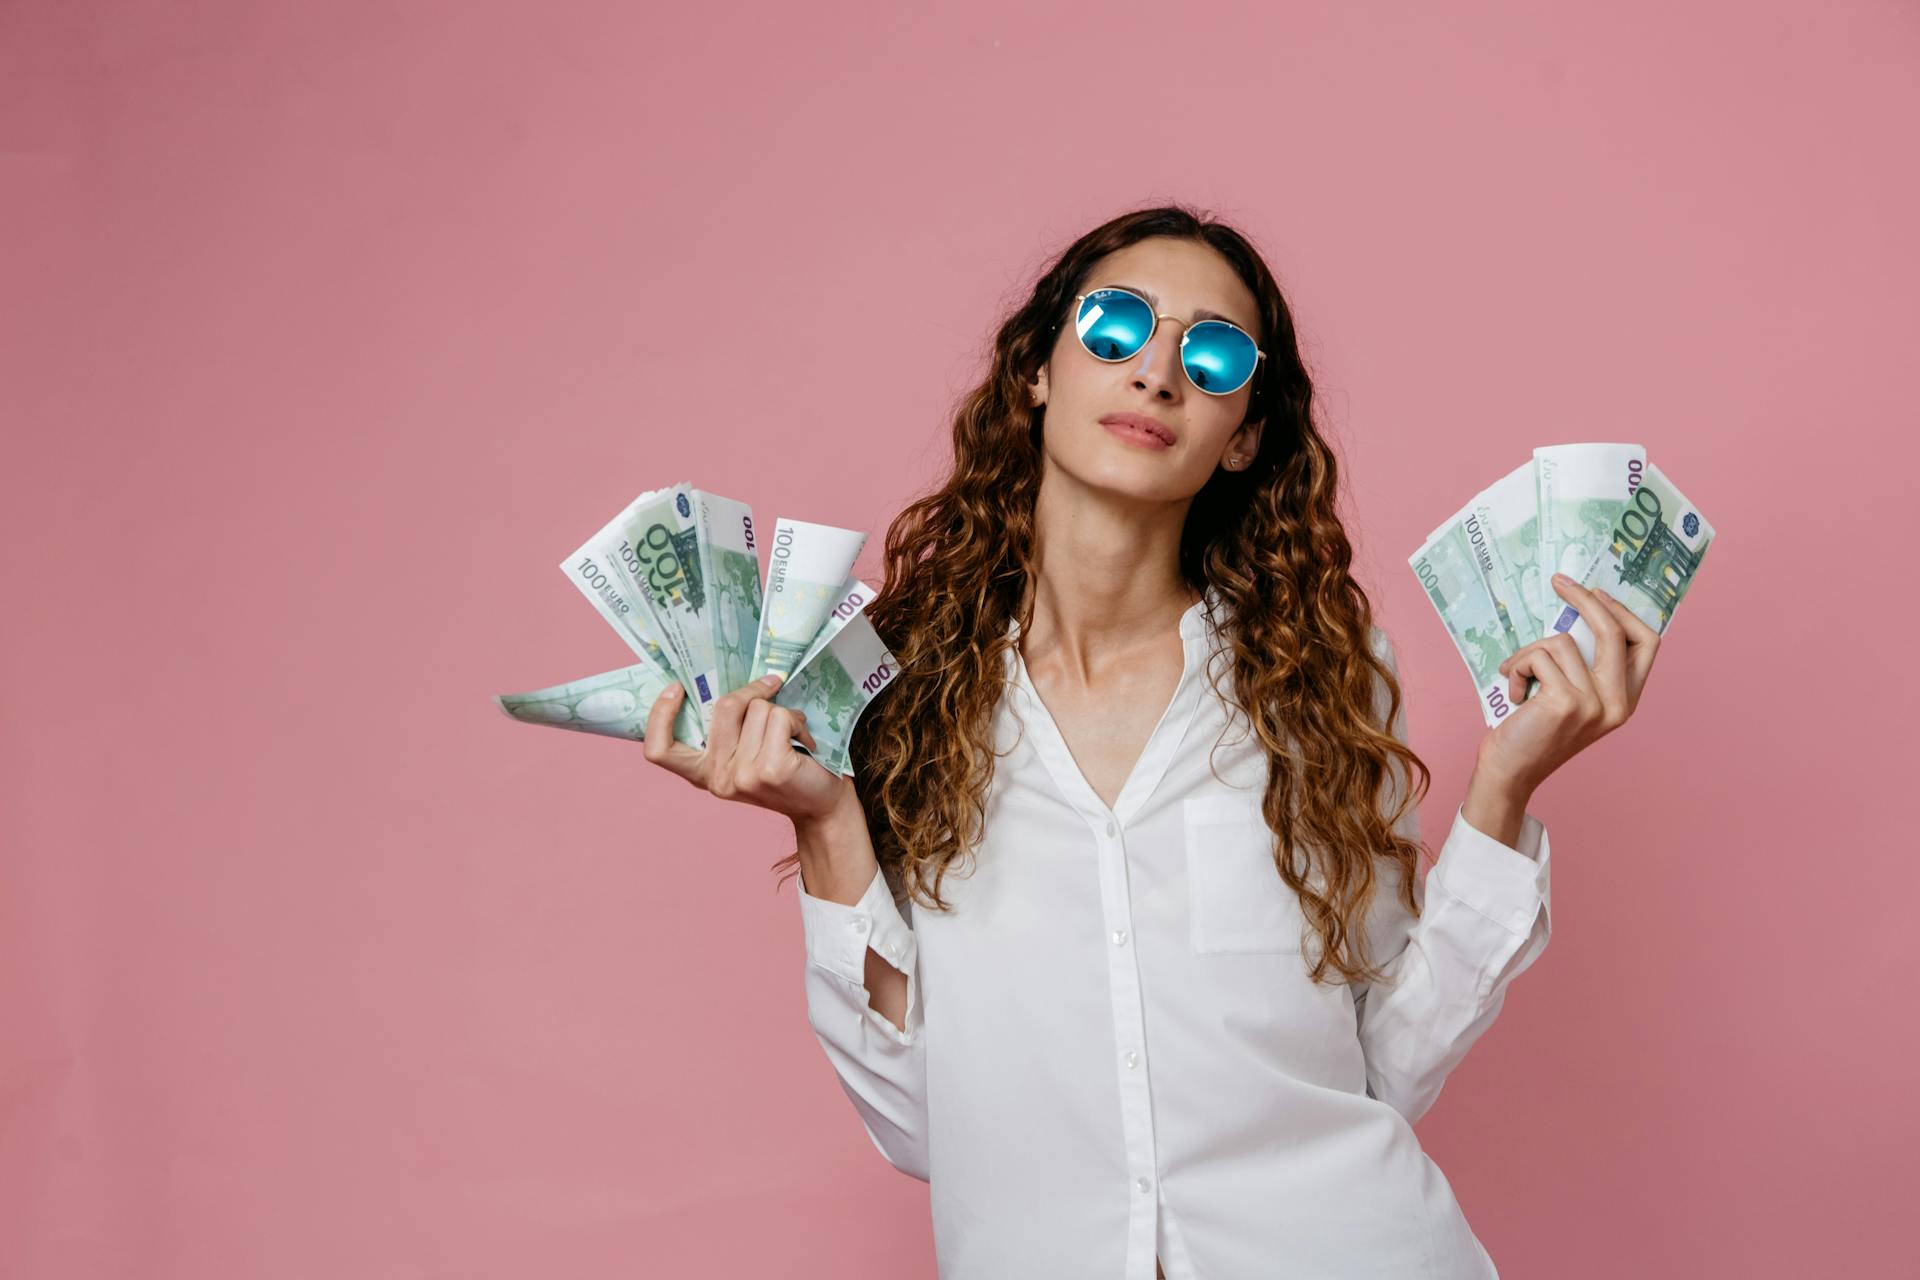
<point>677,575</point>
<point>1599,513</point>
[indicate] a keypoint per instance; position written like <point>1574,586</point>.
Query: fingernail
<point>675,689</point>
<point>1561,577</point>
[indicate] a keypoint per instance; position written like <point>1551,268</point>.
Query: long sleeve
<point>882,1068</point>
<point>1486,915</point>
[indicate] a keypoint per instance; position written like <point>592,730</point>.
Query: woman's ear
<point>1246,441</point>
<point>1037,388</point>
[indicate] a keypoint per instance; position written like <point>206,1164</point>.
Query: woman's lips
<point>1136,435</point>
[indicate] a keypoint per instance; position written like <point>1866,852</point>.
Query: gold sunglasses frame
<point>1078,298</point>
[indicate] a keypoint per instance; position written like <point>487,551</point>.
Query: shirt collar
<point>1161,746</point>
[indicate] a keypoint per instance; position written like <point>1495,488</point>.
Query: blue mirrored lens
<point>1113,325</point>
<point>1219,357</point>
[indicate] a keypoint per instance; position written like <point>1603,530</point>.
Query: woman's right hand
<point>749,754</point>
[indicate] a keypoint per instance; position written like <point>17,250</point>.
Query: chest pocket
<point>1237,902</point>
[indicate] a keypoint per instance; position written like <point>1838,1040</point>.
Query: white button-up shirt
<point>1112,1052</point>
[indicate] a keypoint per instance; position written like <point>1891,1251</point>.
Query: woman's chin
<point>1133,481</point>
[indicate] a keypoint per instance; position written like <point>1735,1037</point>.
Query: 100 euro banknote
<point>831,690</point>
<point>807,578</point>
<point>1582,489</point>
<point>730,568</point>
<point>1455,566</point>
<point>1599,513</point>
<point>1648,560</point>
<point>600,579</point>
<point>835,686</point>
<point>655,544</point>
<point>677,575</point>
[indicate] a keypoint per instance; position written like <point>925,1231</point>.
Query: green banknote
<point>832,690</point>
<point>1583,489</point>
<point>1506,516</point>
<point>1648,561</point>
<point>654,545</point>
<point>613,704</point>
<point>659,544</point>
<point>730,570</point>
<point>1599,513</point>
<point>1455,566</point>
<point>600,580</point>
<point>807,566</point>
<point>677,575</point>
<point>851,600</point>
<point>836,686</point>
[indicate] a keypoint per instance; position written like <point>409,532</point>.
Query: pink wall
<point>330,328</point>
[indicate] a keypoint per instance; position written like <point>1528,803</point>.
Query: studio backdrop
<point>329,329</point>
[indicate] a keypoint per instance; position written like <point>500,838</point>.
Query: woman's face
<point>1180,278</point>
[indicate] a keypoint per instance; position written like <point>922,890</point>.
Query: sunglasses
<point>1113,324</point>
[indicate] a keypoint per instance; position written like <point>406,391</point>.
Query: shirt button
<point>892,949</point>
<point>1133,1059</point>
<point>1109,828</point>
<point>1142,1183</point>
<point>1119,937</point>
<point>856,925</point>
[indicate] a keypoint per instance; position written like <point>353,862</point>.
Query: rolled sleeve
<point>1508,885</point>
<point>838,936</point>
<point>882,1068</point>
<point>1484,921</point>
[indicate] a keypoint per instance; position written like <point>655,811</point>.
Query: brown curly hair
<point>1266,538</point>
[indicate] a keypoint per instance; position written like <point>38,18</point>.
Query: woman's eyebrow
<point>1199,313</point>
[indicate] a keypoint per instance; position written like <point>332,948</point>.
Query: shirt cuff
<point>1504,883</point>
<point>838,935</point>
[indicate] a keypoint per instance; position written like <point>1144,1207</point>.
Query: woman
<point>1115,936</point>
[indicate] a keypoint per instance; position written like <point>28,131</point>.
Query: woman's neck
<point>1106,575</point>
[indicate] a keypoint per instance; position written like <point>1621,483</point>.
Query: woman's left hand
<point>1575,705</point>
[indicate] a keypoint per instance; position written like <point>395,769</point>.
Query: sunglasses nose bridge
<point>1158,332</point>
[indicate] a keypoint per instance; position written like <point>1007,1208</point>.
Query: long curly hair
<point>1266,538</point>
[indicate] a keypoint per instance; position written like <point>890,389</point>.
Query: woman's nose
<point>1159,360</point>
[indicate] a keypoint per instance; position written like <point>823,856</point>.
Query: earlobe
<point>1246,443</point>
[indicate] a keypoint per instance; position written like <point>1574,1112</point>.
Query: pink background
<point>329,329</point>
